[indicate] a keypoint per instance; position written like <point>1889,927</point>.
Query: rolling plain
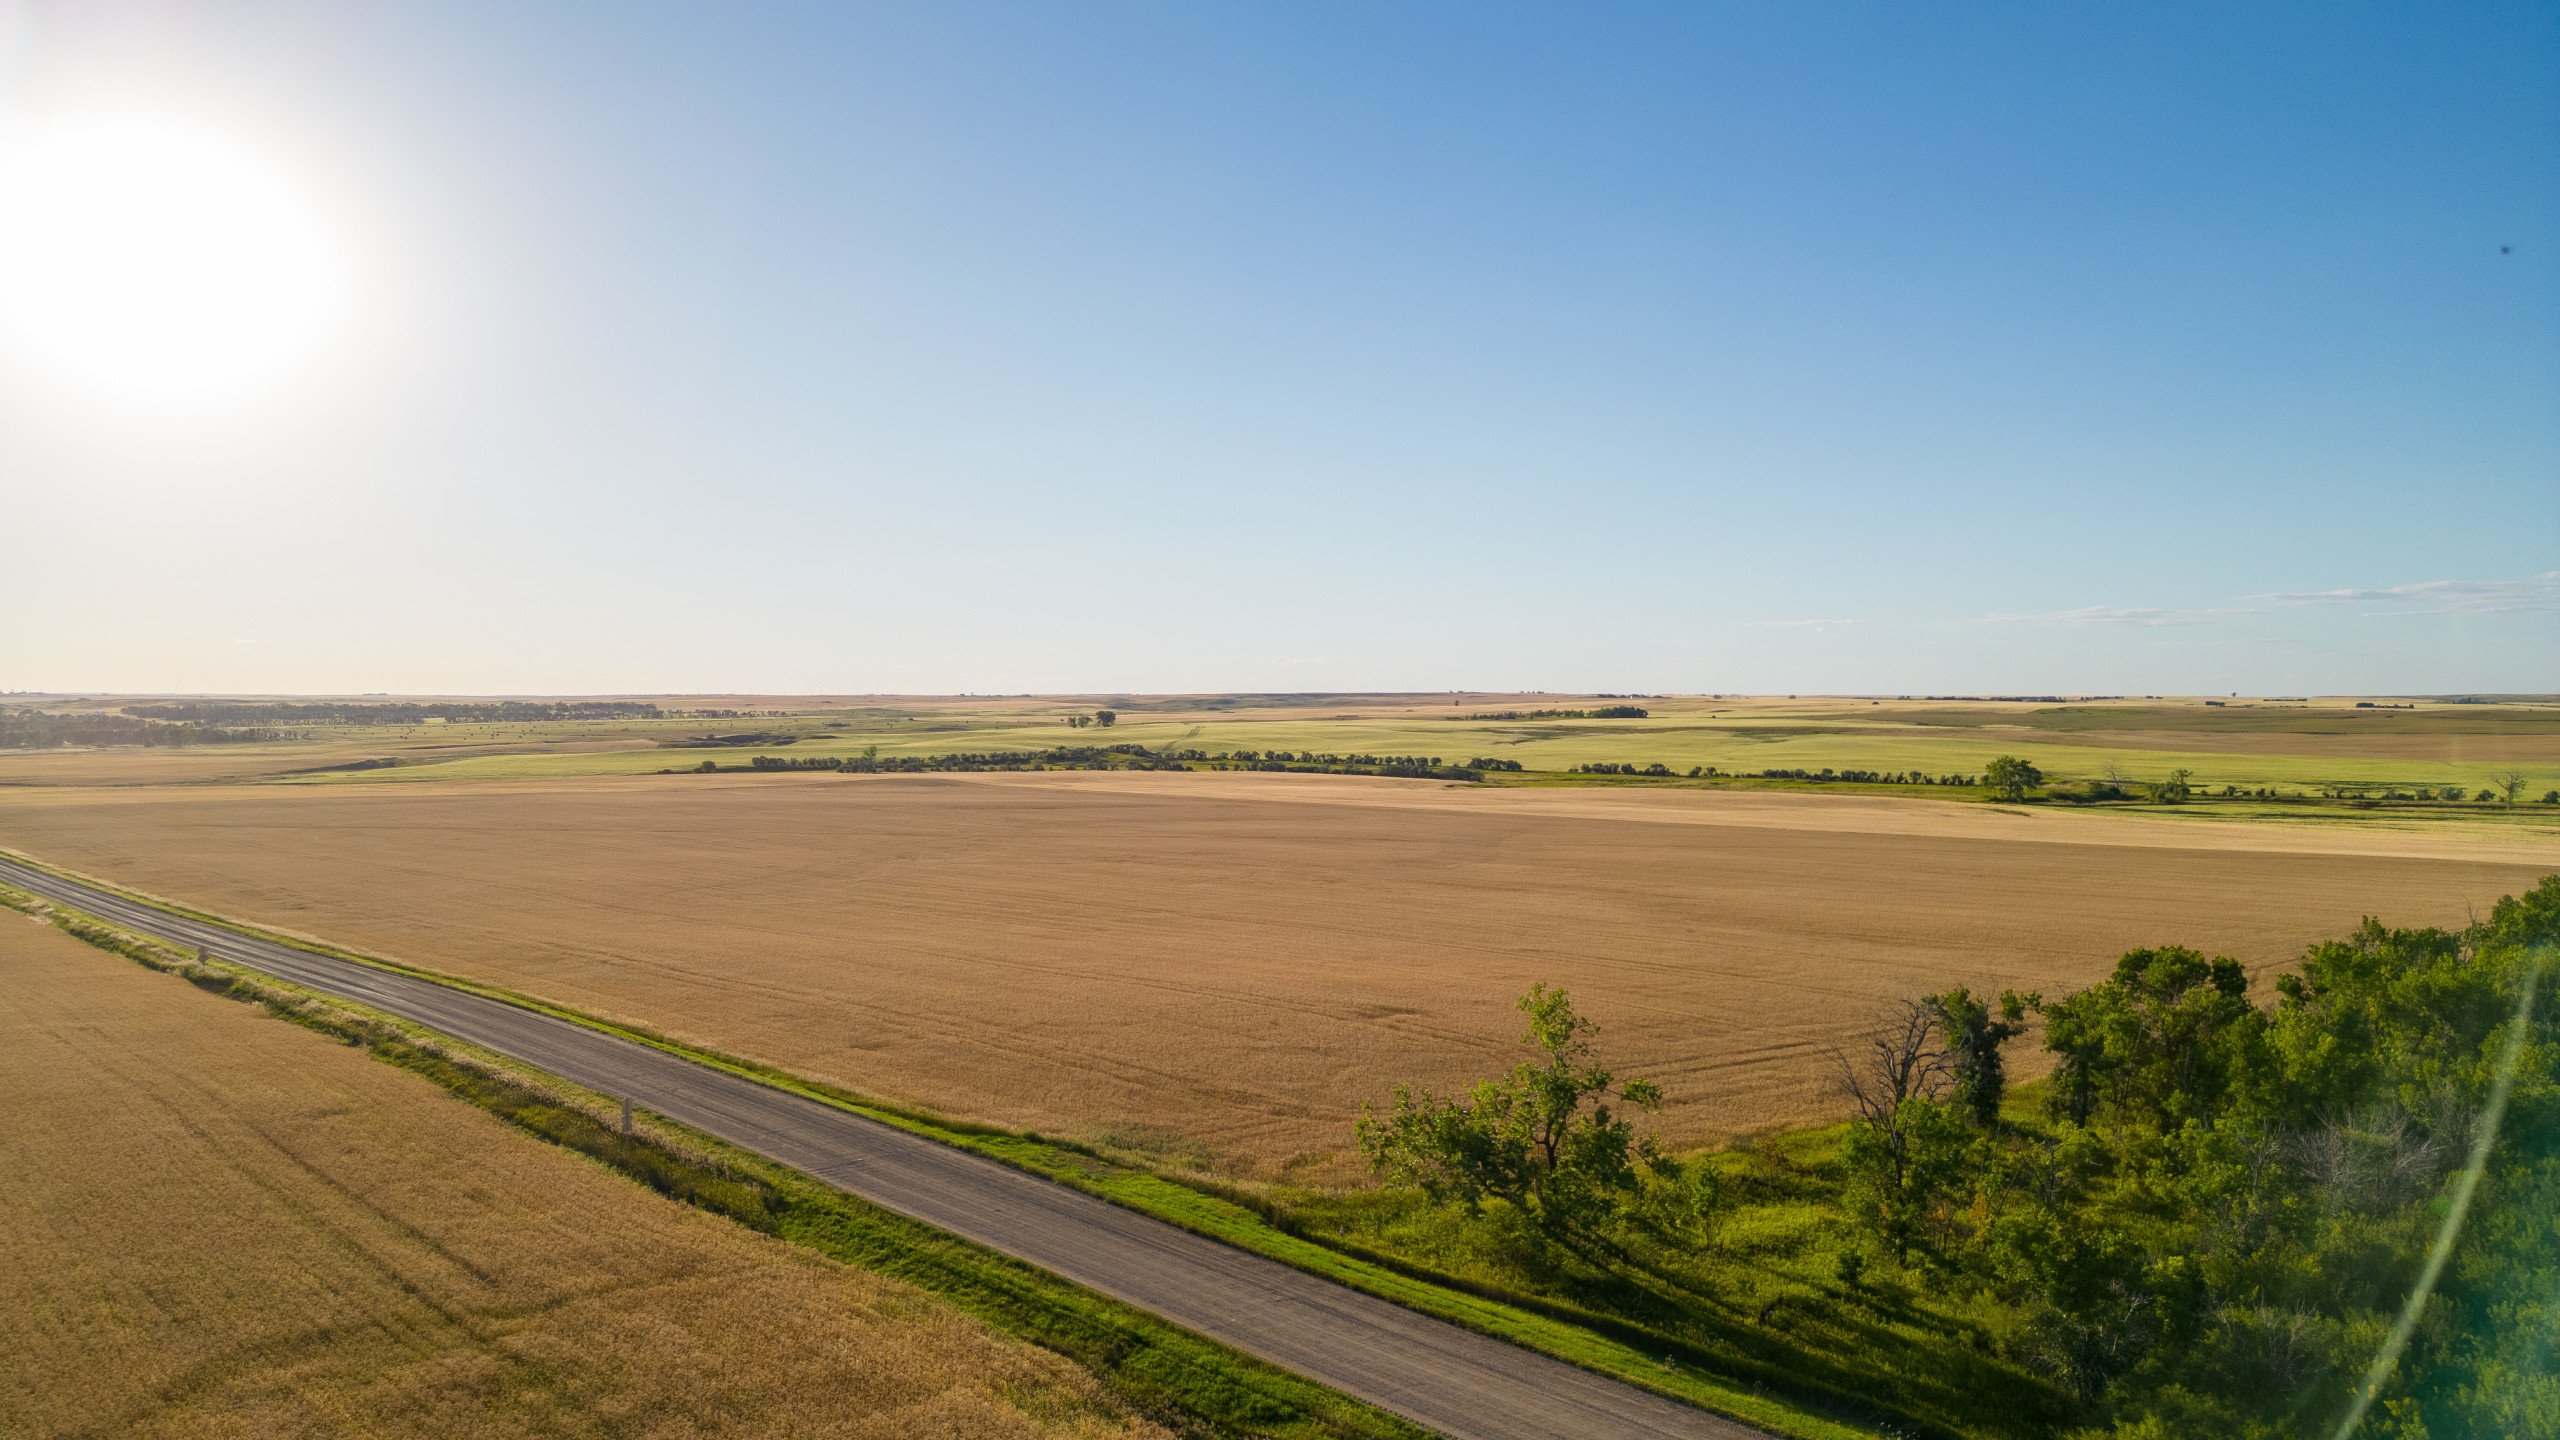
<point>1185,939</point>
<point>1215,970</point>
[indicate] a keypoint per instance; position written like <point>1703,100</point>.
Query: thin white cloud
<point>2440,597</point>
<point>2135,615</point>
<point>2429,597</point>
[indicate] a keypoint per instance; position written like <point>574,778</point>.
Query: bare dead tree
<point>1894,1061</point>
<point>2510,784</point>
<point>2377,1160</point>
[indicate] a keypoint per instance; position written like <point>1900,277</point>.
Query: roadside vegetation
<point>2220,1216</point>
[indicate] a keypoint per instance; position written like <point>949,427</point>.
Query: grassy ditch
<point>1749,1376</point>
<point>1181,1379</point>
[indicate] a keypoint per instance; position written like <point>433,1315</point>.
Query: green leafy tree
<point>2010,778</point>
<point>1544,1139</point>
<point>2178,789</point>
<point>2162,1040</point>
<point>1903,1152</point>
<point>1971,1034</point>
<point>1907,1171</point>
<point>1106,718</point>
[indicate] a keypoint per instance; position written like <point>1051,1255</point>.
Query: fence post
<point>626,1114</point>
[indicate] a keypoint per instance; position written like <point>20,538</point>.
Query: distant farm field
<point>1219,968</point>
<point>223,1225</point>
<point>2298,750</point>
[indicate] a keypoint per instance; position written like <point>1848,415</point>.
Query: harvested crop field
<point>1223,966</point>
<point>222,1224</point>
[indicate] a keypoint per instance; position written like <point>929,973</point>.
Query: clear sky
<point>525,347</point>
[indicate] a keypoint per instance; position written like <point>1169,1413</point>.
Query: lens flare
<point>157,265</point>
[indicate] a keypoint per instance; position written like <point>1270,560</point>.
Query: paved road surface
<point>1436,1374</point>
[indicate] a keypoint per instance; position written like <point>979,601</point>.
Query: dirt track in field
<point>1224,966</point>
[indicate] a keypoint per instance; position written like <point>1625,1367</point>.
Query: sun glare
<point>155,265</point>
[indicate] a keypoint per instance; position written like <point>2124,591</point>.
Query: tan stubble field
<point>1227,965</point>
<point>224,1225</point>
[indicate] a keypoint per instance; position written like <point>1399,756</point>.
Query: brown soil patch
<point>223,1225</point>
<point>1237,961</point>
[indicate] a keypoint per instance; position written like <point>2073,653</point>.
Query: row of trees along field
<point>2012,779</point>
<point>2222,1216</point>
<point>1124,757</point>
<point>1825,775</point>
<point>26,729</point>
<point>399,712</point>
<point>1604,712</point>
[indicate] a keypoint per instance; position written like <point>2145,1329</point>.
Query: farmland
<point>230,1226</point>
<point>1215,970</point>
<point>2303,752</point>
<point>1187,974</point>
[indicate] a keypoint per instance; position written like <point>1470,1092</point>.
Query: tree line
<point>26,729</point>
<point>1120,757</point>
<point>1604,712</point>
<point>396,712</point>
<point>2219,1216</point>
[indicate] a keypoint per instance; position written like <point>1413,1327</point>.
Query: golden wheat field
<point>1223,967</point>
<point>224,1225</point>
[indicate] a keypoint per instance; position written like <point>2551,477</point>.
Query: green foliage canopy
<point>2010,778</point>
<point>1544,1139</point>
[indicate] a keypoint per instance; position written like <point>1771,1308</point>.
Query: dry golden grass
<point>221,1225</point>
<point>1233,962</point>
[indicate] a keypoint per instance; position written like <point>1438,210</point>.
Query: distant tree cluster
<point>1612,767</point>
<point>1411,767</point>
<point>331,712</point>
<point>1058,757</point>
<point>1105,719</point>
<point>1116,757</point>
<point>1486,764</point>
<point>27,729</point>
<point>1605,712</point>
<point>1864,777</point>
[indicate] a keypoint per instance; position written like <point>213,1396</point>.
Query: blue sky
<point>1174,347</point>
